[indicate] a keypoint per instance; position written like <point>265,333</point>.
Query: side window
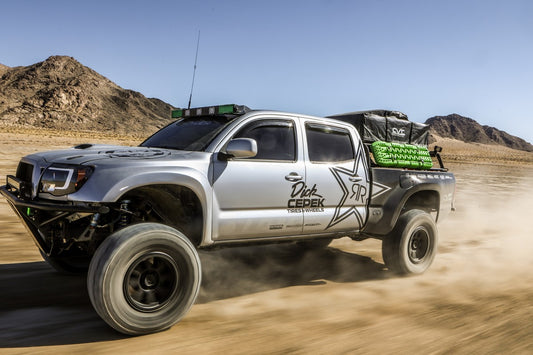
<point>275,139</point>
<point>328,144</point>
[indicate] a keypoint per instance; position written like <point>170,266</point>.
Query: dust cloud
<point>490,236</point>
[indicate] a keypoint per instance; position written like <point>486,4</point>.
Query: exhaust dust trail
<point>489,239</point>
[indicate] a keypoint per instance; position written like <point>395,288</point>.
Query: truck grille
<point>25,171</point>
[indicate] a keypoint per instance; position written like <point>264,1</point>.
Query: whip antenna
<point>194,70</point>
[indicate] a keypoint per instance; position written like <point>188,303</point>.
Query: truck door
<point>250,195</point>
<point>337,180</point>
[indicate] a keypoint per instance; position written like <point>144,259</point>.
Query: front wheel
<point>144,278</point>
<point>411,246</point>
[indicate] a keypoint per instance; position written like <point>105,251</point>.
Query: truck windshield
<point>192,134</point>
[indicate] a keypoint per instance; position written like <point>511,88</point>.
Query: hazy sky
<point>424,58</point>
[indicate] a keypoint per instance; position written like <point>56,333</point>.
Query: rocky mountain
<point>3,69</point>
<point>468,130</point>
<point>61,93</point>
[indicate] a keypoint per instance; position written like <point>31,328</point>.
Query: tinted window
<point>187,134</point>
<point>275,139</point>
<point>328,144</point>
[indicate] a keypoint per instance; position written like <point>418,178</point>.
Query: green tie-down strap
<point>398,155</point>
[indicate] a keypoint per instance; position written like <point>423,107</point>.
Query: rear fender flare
<point>394,207</point>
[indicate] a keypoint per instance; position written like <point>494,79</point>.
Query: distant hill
<point>3,69</point>
<point>61,93</point>
<point>468,130</point>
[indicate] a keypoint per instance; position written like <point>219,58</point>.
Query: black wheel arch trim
<point>392,209</point>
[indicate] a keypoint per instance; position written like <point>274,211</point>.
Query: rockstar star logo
<point>354,184</point>
<point>378,189</point>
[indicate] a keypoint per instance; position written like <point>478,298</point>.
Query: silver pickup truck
<point>134,217</point>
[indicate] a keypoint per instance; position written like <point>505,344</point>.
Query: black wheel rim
<point>419,244</point>
<point>151,282</point>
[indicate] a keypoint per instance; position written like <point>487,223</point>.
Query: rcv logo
<point>400,132</point>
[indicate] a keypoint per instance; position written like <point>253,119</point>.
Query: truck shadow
<point>236,272</point>
<point>40,307</point>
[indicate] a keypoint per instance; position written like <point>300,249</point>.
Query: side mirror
<point>242,148</point>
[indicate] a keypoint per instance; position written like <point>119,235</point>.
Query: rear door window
<point>328,144</point>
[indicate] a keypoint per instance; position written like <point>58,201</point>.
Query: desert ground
<point>477,298</point>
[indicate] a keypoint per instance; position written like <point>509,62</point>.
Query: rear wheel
<point>144,278</point>
<point>411,247</point>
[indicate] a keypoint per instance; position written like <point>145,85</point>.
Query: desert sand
<point>476,298</point>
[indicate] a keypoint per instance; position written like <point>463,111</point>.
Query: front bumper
<point>26,208</point>
<point>12,198</point>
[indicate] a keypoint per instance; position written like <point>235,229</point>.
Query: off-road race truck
<point>133,218</point>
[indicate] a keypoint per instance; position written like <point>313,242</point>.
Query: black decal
<point>301,190</point>
<point>314,210</point>
<point>312,224</point>
<point>359,192</point>
<point>303,197</point>
<point>276,226</point>
<point>354,190</point>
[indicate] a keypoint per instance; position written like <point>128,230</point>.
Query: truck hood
<point>87,153</point>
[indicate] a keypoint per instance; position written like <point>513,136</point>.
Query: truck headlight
<point>63,179</point>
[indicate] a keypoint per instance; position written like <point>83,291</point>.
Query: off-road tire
<point>144,278</point>
<point>411,246</point>
<point>67,265</point>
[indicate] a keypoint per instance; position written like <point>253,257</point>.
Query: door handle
<point>355,178</point>
<point>293,177</point>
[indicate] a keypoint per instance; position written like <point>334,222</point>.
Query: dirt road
<point>476,298</point>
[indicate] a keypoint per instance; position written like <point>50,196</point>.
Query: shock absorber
<point>125,216</point>
<point>89,231</point>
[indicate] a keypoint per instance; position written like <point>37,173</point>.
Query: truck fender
<point>395,204</point>
<point>195,182</point>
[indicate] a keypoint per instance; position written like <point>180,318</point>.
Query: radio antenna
<point>194,70</point>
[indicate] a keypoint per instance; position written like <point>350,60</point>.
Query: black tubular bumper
<point>19,205</point>
<point>13,200</point>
